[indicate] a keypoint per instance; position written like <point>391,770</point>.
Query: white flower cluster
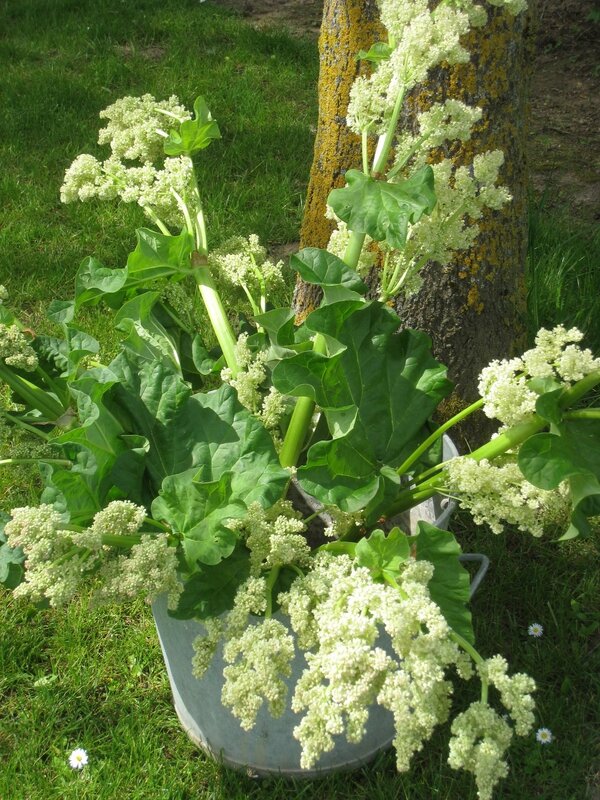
<point>515,692</point>
<point>462,195</point>
<point>243,263</point>
<point>3,293</point>
<point>59,561</point>
<point>15,349</point>
<point>505,385</point>
<point>340,611</point>
<point>422,38</point>
<point>480,736</point>
<point>270,407</point>
<point>447,122</point>
<point>498,494</point>
<point>54,567</point>
<point>135,134</point>
<point>274,536</point>
<point>258,654</point>
<point>135,127</point>
<point>148,570</point>
<point>340,523</point>
<point>480,739</point>
<point>258,662</point>
<point>153,189</point>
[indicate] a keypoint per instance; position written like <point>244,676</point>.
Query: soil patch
<point>564,138</point>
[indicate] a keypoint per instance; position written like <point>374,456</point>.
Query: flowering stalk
<point>215,310</point>
<point>305,406</point>
<point>63,462</point>
<point>29,428</point>
<point>424,447</point>
<point>31,394</point>
<point>300,421</point>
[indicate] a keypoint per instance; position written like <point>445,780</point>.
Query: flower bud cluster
<point>258,661</point>
<point>497,494</point>
<point>15,349</point>
<point>274,536</point>
<point>243,263</point>
<point>135,133</point>
<point>135,127</point>
<point>506,385</point>
<point>348,617</point>
<point>60,561</point>
<point>251,377</point>
<point>480,739</point>
<point>463,194</point>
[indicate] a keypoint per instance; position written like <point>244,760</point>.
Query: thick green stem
<point>583,413</point>
<point>300,421</point>
<point>121,542</point>
<point>149,211</point>
<point>61,461</point>
<point>385,142</point>
<point>339,548</point>
<point>506,441</point>
<point>423,448</point>
<point>354,249</point>
<point>31,394</point>
<point>470,650</point>
<point>271,580</point>
<point>215,310</point>
<point>579,389</point>
<point>20,424</point>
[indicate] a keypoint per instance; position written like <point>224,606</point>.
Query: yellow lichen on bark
<point>348,26</point>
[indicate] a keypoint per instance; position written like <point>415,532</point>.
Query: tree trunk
<point>347,27</point>
<point>474,308</point>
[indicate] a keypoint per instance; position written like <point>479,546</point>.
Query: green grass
<point>57,76</point>
<point>563,273</point>
<point>89,678</point>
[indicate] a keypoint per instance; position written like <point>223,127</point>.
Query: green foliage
<point>326,270</point>
<point>570,454</point>
<point>383,554</point>
<point>383,210</point>
<point>377,414</point>
<point>194,134</point>
<point>449,586</point>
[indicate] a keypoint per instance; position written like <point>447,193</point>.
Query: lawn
<point>94,678</point>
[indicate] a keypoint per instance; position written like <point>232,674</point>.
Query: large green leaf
<point>155,256</point>
<point>383,554</point>
<point>211,590</point>
<point>377,389</point>
<point>194,134</point>
<point>383,210</point>
<point>450,585</point>
<point>94,281</point>
<point>158,256</point>
<point>571,454</point>
<point>326,270</point>
<point>146,337</point>
<point>198,511</point>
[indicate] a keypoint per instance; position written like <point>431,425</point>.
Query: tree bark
<point>348,26</point>
<point>474,309</point>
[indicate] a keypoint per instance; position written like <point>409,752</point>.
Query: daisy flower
<point>78,758</point>
<point>544,735</point>
<point>535,629</point>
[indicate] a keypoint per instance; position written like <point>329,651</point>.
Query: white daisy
<point>78,758</point>
<point>535,629</point>
<point>544,735</point>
